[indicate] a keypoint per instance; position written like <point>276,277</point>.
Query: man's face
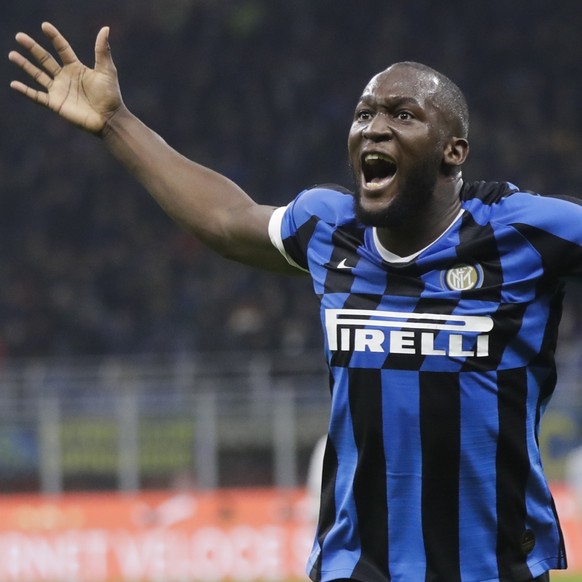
<point>396,146</point>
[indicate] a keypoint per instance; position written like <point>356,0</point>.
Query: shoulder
<point>321,209</point>
<point>330,203</point>
<point>503,202</point>
<point>487,193</point>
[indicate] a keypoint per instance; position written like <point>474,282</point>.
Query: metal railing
<point>212,420</point>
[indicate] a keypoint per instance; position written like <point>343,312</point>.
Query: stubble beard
<point>412,196</point>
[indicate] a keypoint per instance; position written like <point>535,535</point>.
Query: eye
<point>363,115</point>
<point>404,115</point>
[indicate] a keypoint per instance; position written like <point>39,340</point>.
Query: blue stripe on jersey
<point>541,212</point>
<point>340,551</point>
<point>320,258</point>
<point>443,250</point>
<point>531,334</point>
<point>539,503</point>
<point>404,470</point>
<point>477,521</point>
<point>522,263</point>
<point>551,216</point>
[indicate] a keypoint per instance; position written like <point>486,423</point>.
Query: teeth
<point>379,176</point>
<point>371,158</point>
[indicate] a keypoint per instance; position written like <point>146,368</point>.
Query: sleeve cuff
<point>275,225</point>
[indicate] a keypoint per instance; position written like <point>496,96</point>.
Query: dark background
<point>263,91</point>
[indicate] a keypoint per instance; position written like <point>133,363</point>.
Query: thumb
<point>103,59</point>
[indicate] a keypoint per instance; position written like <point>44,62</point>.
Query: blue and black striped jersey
<point>441,367</point>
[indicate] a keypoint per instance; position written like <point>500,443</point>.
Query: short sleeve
<point>275,233</point>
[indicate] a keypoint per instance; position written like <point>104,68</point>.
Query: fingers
<point>40,76</point>
<point>61,44</point>
<point>37,96</point>
<point>48,67</point>
<point>41,55</point>
<point>103,60</point>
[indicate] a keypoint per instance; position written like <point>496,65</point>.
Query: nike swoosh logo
<point>343,265</point>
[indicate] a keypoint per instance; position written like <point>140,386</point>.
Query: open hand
<point>85,97</point>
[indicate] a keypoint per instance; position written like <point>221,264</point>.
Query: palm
<point>85,97</point>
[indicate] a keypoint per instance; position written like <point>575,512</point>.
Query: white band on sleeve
<point>275,224</point>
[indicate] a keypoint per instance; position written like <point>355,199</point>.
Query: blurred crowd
<point>262,91</point>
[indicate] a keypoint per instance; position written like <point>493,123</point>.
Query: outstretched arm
<point>206,203</point>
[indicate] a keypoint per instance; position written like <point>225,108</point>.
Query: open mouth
<point>377,169</point>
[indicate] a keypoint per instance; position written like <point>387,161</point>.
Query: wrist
<point>115,122</point>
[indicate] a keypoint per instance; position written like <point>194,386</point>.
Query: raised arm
<point>205,202</point>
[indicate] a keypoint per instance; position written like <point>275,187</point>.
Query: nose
<point>378,128</point>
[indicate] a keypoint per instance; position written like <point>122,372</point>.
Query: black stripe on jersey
<point>332,186</point>
<point>557,253</point>
<point>342,358</point>
<point>327,506</point>
<point>440,426</point>
<point>370,478</point>
<point>488,192</point>
<point>478,246</point>
<point>404,280</point>
<point>415,361</point>
<point>512,468</point>
<point>296,246</point>
<point>345,240</point>
<point>507,321</point>
<point>545,355</point>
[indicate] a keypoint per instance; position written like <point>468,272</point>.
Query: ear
<point>456,151</point>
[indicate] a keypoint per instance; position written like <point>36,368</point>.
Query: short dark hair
<point>449,97</point>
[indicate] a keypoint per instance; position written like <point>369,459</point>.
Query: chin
<point>394,215</point>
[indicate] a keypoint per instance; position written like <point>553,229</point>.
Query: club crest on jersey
<point>462,277</point>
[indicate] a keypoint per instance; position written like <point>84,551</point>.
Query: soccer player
<point>440,303</point>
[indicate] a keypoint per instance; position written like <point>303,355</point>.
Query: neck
<point>429,223</point>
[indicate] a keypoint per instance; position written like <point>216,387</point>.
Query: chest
<point>465,302</point>
<point>478,265</point>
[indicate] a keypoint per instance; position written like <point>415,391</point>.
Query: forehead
<point>403,82</point>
